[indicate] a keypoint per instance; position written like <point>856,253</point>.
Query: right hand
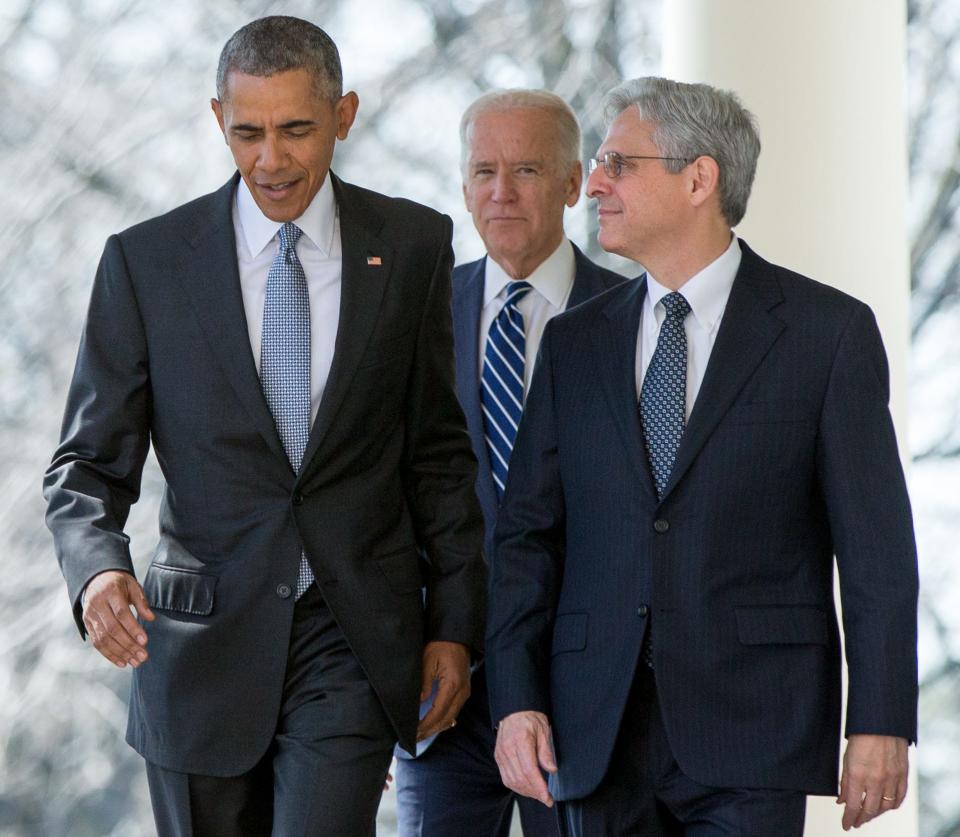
<point>523,752</point>
<point>114,632</point>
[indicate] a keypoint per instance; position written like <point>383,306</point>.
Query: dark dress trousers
<point>388,475</point>
<point>456,781</point>
<point>788,459</point>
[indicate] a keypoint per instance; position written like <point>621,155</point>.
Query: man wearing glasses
<point>696,449</point>
<point>520,161</point>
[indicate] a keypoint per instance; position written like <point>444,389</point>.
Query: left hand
<point>448,663</point>
<point>874,778</point>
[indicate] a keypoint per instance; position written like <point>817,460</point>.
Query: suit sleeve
<point>440,473</point>
<point>94,477</point>
<point>527,568</point>
<point>872,529</point>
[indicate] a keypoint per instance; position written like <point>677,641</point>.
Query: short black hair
<point>279,43</point>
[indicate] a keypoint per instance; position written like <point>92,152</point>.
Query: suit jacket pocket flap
<point>786,624</point>
<point>186,591</point>
<point>570,632</point>
<point>402,570</point>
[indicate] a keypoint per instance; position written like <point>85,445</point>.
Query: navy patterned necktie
<point>285,358</point>
<point>501,382</point>
<point>664,392</point>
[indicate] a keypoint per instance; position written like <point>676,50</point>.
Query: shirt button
<point>660,526</point>
<point>643,610</point>
<point>298,499</point>
<point>284,591</point>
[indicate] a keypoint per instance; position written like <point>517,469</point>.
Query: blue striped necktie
<point>501,382</point>
<point>285,358</point>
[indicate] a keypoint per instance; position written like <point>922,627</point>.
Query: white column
<point>825,79</point>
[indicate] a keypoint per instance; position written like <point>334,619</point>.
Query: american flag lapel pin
<point>374,261</point>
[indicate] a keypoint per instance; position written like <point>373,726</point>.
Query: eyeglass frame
<point>593,163</point>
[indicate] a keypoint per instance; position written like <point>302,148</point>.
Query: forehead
<point>629,133</point>
<point>290,92</point>
<point>527,133</point>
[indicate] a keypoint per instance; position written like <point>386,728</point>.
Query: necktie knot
<point>517,291</point>
<point>676,305</point>
<point>289,236</point>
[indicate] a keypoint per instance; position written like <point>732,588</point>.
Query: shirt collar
<point>551,279</point>
<point>317,222</point>
<point>707,291</point>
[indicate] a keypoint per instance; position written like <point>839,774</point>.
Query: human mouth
<point>277,191</point>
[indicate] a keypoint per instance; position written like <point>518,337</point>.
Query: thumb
<point>545,751</point>
<point>841,797</point>
<point>139,600</point>
<point>426,681</point>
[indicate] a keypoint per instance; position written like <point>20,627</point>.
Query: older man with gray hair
<point>696,450</point>
<point>520,161</point>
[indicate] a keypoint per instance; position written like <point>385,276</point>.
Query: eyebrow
<point>286,126</point>
<point>474,164</point>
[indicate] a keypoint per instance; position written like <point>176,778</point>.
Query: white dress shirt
<point>552,282</point>
<point>319,252</point>
<point>707,293</point>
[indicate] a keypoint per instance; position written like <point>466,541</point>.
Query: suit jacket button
<point>660,526</point>
<point>643,610</point>
<point>298,499</point>
<point>284,591</point>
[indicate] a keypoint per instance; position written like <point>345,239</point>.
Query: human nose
<point>271,154</point>
<point>598,183</point>
<point>503,189</point>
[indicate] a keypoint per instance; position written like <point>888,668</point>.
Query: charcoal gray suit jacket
<point>388,473</point>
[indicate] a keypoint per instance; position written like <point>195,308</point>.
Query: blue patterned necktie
<point>285,358</point>
<point>664,392</point>
<point>663,398</point>
<point>501,382</point>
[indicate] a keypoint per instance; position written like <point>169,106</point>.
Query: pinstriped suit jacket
<point>789,458</point>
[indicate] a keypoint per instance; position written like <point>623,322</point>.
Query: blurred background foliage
<point>105,122</point>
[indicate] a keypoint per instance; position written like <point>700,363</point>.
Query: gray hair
<point>566,135</point>
<point>694,120</point>
<point>275,44</point>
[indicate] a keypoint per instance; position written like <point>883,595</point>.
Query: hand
<point>523,752</point>
<point>449,664</point>
<point>874,777</point>
<point>114,632</point>
<point>387,781</point>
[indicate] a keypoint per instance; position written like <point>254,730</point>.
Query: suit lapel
<point>586,282</point>
<point>616,351</point>
<point>467,304</point>
<point>747,332</point>
<point>211,278</point>
<point>361,291</point>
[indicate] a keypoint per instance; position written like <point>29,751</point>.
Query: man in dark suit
<point>520,159</point>
<point>696,449</point>
<point>286,345</point>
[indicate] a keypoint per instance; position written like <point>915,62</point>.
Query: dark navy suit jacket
<point>788,459</point>
<point>590,279</point>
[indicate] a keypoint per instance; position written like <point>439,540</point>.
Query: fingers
<point>874,778</point>
<point>545,756</point>
<point>447,663</point>
<point>450,697</point>
<point>108,619</point>
<point>523,745</point>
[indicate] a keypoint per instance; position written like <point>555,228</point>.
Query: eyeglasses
<point>614,163</point>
